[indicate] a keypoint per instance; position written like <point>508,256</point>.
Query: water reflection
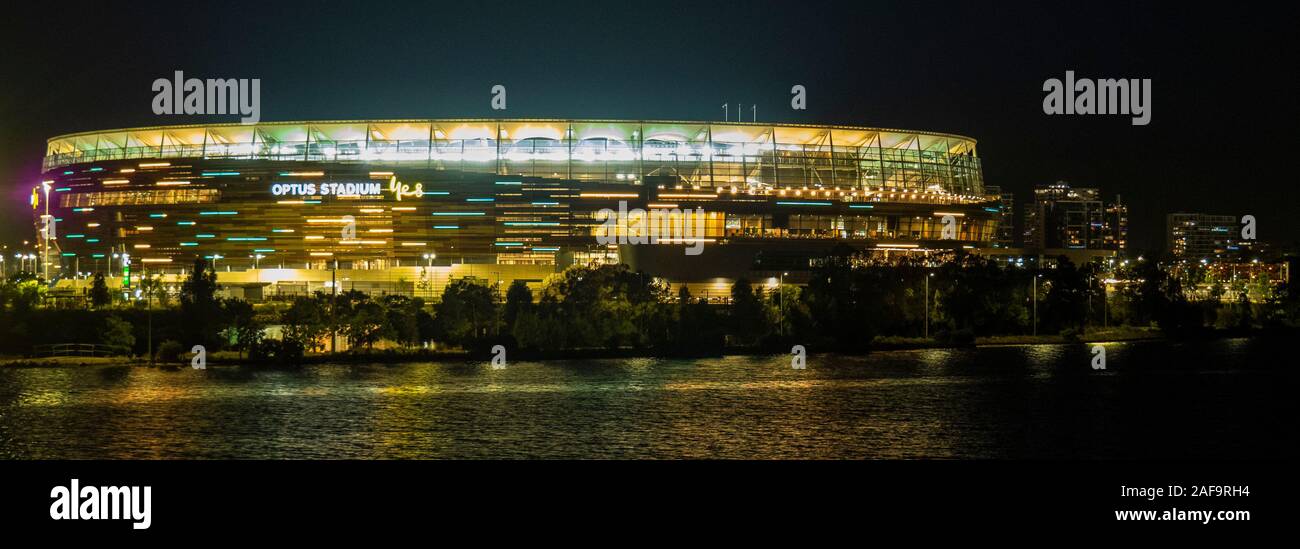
<point>1204,399</point>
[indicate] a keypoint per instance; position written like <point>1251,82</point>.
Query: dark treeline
<point>845,305</point>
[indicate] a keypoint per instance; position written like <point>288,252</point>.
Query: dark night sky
<point>1223,87</point>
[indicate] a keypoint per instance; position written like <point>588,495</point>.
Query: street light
<point>926,301</point>
<point>1105,303</point>
<point>1036,277</point>
<point>781,294</point>
<point>46,234</point>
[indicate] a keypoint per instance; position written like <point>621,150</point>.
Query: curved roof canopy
<point>261,140</point>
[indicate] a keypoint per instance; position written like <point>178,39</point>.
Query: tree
<point>26,295</point>
<point>840,301</point>
<point>466,314</point>
<point>519,298</point>
<point>304,325</point>
<point>154,290</point>
<point>99,296</point>
<point>748,316</point>
<point>366,325</point>
<point>243,324</point>
<point>1245,315</point>
<point>402,318</point>
<point>1159,298</point>
<point>117,333</point>
<point>1065,305</point>
<point>200,310</point>
<point>698,328</point>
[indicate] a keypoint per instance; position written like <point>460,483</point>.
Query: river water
<point>1212,399</point>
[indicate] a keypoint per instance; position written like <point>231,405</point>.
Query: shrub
<point>963,336</point>
<point>169,352</point>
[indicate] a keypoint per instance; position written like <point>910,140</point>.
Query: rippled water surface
<point>1155,400</point>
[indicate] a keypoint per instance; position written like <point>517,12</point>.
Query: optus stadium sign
<point>397,188</point>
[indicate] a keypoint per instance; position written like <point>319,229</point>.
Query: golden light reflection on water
<point>939,403</point>
<point>43,398</point>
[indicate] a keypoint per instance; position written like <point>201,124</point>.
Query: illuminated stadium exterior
<point>516,198</point>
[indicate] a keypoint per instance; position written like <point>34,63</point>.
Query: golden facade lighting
<point>680,196</point>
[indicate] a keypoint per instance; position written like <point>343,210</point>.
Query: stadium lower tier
<point>301,221</point>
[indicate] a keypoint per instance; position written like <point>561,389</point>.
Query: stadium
<point>285,208</point>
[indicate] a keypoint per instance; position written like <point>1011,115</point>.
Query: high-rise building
<point>1116,228</point>
<point>1062,216</point>
<point>1005,237</point>
<point>1199,235</point>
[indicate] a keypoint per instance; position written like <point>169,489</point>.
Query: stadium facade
<point>281,206</point>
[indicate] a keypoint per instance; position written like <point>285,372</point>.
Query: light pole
<point>1088,316</point>
<point>1105,304</point>
<point>46,234</point>
<point>781,295</point>
<point>334,293</point>
<point>926,300</point>
<point>1036,277</point>
<point>148,304</point>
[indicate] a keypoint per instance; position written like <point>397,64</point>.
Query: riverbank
<point>67,361</point>
<point>401,356</point>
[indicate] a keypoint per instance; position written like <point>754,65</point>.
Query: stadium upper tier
<point>699,153</point>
